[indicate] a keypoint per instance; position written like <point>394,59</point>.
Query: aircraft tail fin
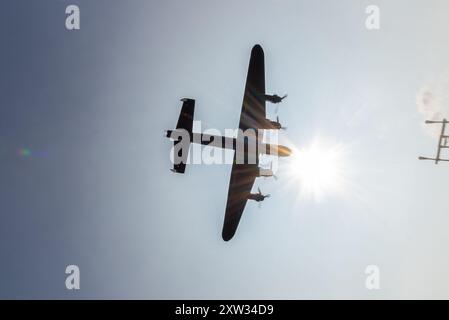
<point>185,122</point>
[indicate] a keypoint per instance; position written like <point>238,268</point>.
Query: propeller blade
<point>259,205</point>
<point>259,190</point>
<point>276,110</point>
<point>425,158</point>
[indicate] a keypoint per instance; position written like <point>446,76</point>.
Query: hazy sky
<point>84,167</point>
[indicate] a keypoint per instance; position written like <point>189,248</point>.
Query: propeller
<point>260,193</point>
<point>276,110</point>
<point>277,120</point>
<point>259,203</point>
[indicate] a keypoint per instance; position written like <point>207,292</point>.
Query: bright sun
<point>319,169</point>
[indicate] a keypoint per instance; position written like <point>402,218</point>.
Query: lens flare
<point>319,169</point>
<point>24,152</point>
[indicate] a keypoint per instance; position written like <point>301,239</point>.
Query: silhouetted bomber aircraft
<point>253,116</point>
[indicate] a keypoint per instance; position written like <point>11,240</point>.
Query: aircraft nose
<point>284,151</point>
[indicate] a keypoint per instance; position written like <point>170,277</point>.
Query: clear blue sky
<point>95,190</point>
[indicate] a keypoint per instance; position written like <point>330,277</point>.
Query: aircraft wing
<point>252,117</point>
<point>242,181</point>
<point>253,109</point>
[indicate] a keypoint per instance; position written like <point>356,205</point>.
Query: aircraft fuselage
<point>232,143</point>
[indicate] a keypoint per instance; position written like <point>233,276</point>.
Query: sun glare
<point>319,169</point>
